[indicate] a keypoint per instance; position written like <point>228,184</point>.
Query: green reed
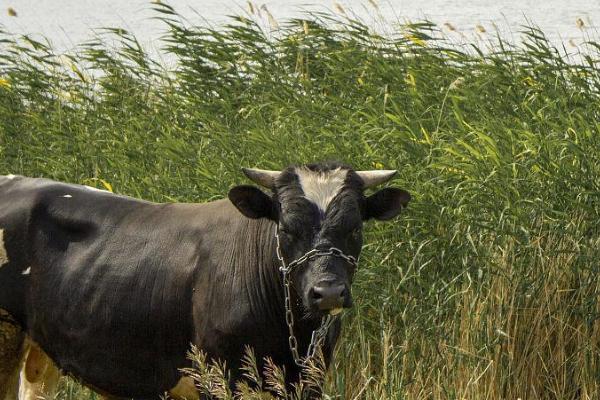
<point>487,287</point>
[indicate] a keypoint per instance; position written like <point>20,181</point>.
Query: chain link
<point>319,334</point>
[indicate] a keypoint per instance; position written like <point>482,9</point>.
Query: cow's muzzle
<point>329,296</point>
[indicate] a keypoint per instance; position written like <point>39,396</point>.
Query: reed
<point>487,287</point>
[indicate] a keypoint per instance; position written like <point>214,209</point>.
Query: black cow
<point>114,289</point>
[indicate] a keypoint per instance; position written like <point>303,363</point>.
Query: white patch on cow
<point>11,176</point>
<point>3,255</point>
<point>68,196</point>
<point>27,271</point>
<point>321,187</point>
<point>93,189</point>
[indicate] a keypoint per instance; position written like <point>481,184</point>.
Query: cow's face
<point>320,207</point>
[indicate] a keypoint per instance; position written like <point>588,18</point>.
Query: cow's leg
<point>11,344</point>
<point>39,375</point>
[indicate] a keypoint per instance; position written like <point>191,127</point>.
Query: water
<point>69,22</point>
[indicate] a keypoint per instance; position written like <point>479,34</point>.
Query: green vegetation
<point>487,287</point>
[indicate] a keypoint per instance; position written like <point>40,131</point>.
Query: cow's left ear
<point>252,202</point>
<point>386,203</point>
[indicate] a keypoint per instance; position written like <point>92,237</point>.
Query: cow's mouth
<point>313,311</point>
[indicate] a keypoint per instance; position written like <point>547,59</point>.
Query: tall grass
<point>487,287</point>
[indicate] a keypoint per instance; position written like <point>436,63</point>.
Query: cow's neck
<point>260,241</point>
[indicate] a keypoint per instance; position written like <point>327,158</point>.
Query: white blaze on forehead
<point>321,187</point>
<point>3,255</point>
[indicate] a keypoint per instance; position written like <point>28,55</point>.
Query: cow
<point>112,290</point>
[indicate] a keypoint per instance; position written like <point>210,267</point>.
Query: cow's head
<point>320,206</point>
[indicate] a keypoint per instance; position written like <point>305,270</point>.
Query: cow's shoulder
<point>38,205</point>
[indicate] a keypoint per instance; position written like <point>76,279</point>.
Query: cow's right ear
<point>252,202</point>
<point>386,203</point>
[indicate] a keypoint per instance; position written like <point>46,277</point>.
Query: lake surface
<point>69,22</point>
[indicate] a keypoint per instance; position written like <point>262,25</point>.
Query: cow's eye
<point>356,233</point>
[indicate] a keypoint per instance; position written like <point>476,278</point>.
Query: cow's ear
<point>386,203</point>
<point>252,202</point>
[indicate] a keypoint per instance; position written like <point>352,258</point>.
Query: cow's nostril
<point>343,293</point>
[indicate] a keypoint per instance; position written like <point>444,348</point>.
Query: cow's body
<point>115,289</point>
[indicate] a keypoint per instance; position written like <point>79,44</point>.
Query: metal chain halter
<point>318,335</point>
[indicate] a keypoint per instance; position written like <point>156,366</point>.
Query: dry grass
<point>528,330</point>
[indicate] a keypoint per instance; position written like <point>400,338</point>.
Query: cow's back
<point>102,282</point>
